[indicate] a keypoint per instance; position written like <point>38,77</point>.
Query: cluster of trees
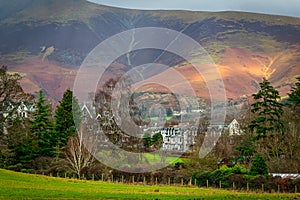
<point>270,143</point>
<point>48,139</point>
<point>240,178</point>
<point>270,128</point>
<point>44,134</point>
<point>275,128</point>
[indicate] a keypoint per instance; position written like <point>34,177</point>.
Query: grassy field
<point>24,186</point>
<point>153,158</point>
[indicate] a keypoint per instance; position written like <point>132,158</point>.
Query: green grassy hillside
<point>24,186</point>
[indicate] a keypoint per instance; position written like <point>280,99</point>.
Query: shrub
<point>238,179</point>
<point>201,178</point>
<point>259,166</point>
<point>257,181</point>
<point>17,167</point>
<point>224,174</point>
<point>239,169</point>
<point>179,165</point>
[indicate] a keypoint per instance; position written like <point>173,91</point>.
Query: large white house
<point>23,110</point>
<point>178,139</point>
<point>234,128</point>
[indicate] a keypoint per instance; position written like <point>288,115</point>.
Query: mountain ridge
<point>62,32</point>
<point>181,14</point>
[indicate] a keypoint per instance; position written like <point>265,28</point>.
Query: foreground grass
<point>24,186</point>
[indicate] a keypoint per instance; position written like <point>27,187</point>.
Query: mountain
<point>47,40</point>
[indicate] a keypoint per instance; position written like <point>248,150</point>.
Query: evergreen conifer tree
<point>259,166</point>
<point>42,127</point>
<point>268,110</point>
<point>65,114</point>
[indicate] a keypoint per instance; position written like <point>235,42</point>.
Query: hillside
<point>15,185</point>
<point>49,39</point>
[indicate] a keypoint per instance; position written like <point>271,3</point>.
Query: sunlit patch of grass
<point>155,158</point>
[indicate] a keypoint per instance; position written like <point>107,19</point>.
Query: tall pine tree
<point>42,127</point>
<point>268,110</point>
<point>65,114</point>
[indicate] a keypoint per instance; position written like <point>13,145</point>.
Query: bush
<point>227,175</point>
<point>40,163</point>
<point>238,179</point>
<point>239,169</point>
<point>256,182</point>
<point>18,167</point>
<point>259,166</point>
<point>201,178</point>
<point>179,165</point>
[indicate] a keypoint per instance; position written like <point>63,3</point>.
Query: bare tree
<point>80,150</point>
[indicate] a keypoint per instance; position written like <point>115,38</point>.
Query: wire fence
<point>283,186</point>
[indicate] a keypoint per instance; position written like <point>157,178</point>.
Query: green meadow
<point>15,185</point>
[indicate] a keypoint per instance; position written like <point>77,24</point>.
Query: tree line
<point>43,135</point>
<point>49,141</point>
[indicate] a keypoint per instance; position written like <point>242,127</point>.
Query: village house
<point>179,138</point>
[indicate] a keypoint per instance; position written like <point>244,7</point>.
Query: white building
<point>178,139</point>
<point>234,128</point>
<point>174,139</point>
<point>22,110</point>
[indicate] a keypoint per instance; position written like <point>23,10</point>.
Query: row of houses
<point>23,110</point>
<point>179,138</point>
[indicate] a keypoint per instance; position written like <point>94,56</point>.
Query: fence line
<point>172,181</point>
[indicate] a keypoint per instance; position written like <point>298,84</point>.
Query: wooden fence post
<point>145,183</point>
<point>190,182</point>
<point>247,186</point>
<point>278,188</point>
<point>122,180</point>
<point>295,188</point>
<point>93,177</point>
<point>181,181</point>
<point>233,185</point>
<point>156,180</point>
<point>220,184</point>
<point>133,180</point>
<point>102,177</point>
<point>169,181</point>
<point>207,183</point>
<point>262,187</point>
